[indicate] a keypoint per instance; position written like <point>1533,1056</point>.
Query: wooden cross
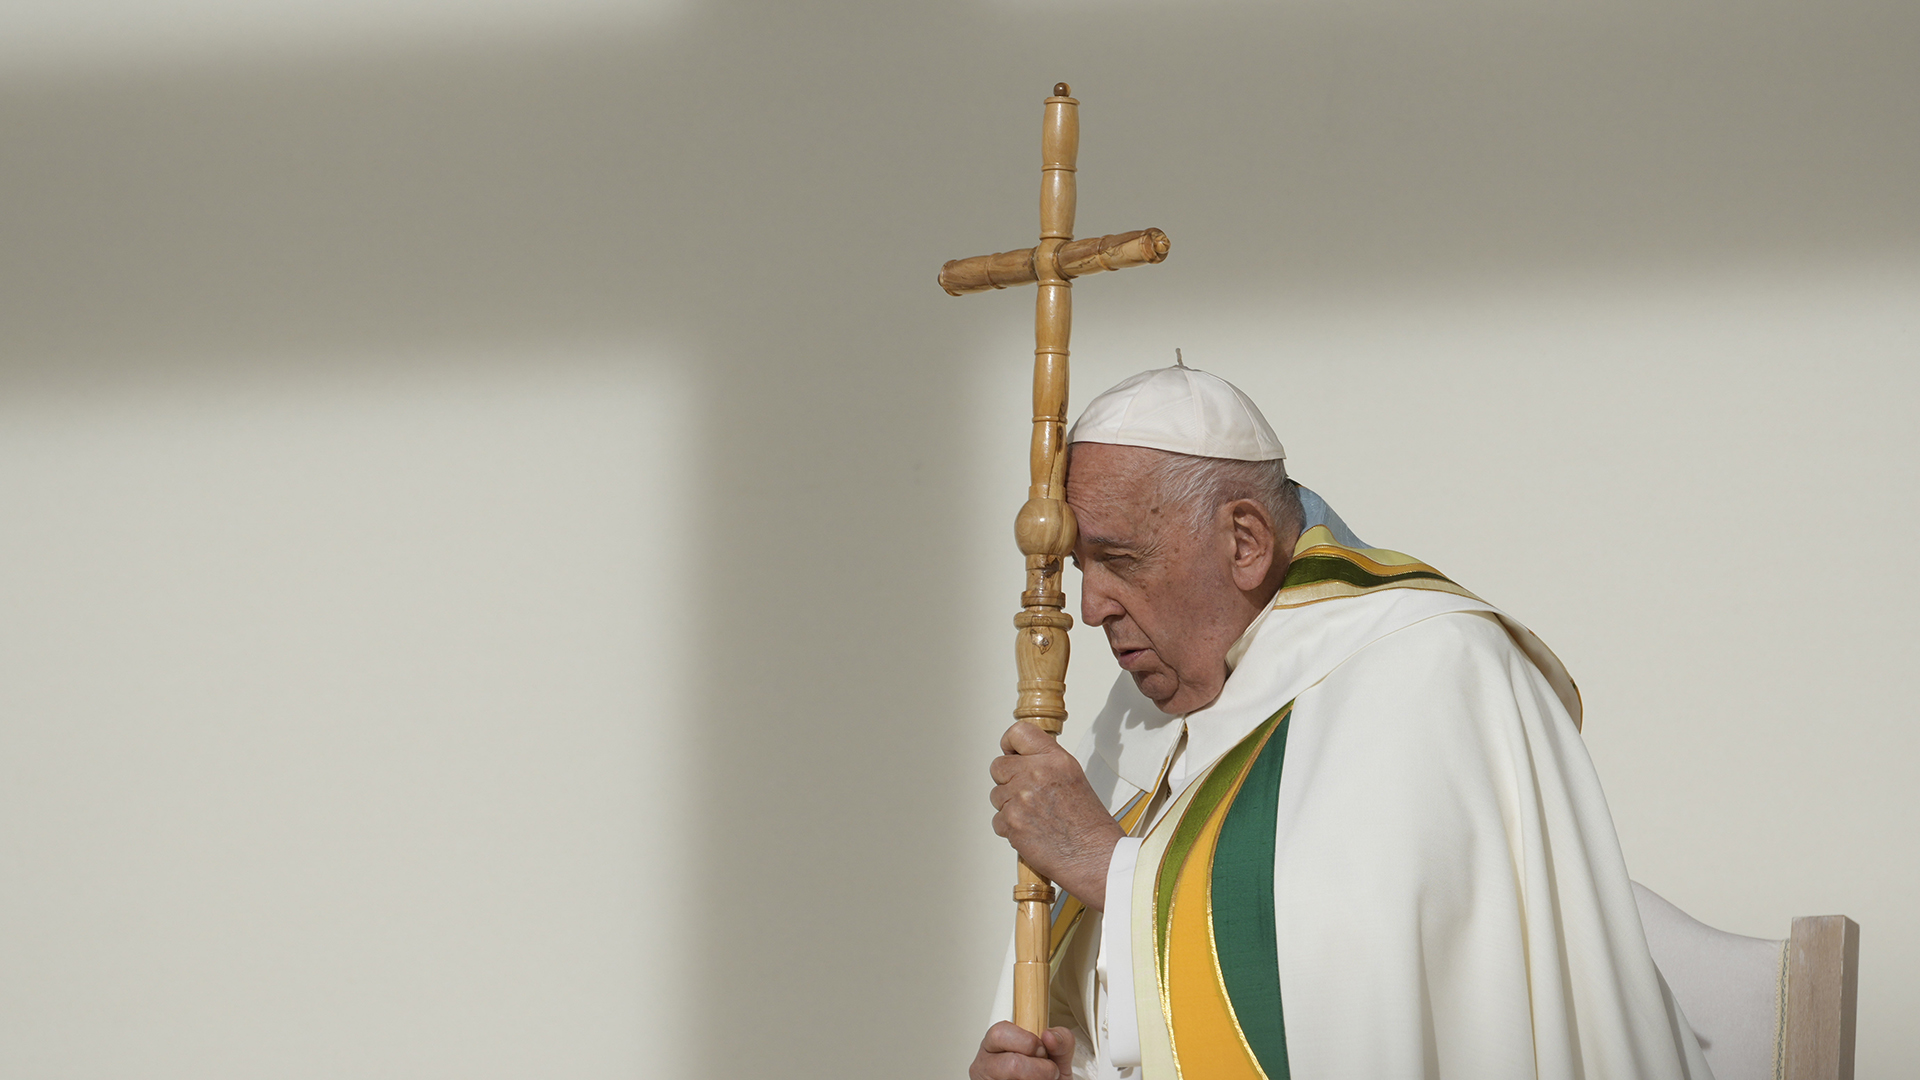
<point>1045,527</point>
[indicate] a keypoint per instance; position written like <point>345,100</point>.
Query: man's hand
<point>1014,1053</point>
<point>1050,815</point>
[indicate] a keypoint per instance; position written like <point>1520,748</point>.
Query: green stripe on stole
<point>1243,916</point>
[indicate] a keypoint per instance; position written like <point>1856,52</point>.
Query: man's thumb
<point>1059,1044</point>
<point>1025,738</point>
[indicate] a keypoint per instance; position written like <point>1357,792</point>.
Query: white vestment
<point>1450,898</point>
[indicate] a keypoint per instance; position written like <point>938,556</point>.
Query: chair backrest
<point>1762,1009</point>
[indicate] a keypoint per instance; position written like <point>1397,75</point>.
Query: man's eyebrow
<point>1102,541</point>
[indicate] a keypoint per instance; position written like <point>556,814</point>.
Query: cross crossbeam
<point>1077,258</point>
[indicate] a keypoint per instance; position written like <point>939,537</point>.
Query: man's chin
<point>1157,688</point>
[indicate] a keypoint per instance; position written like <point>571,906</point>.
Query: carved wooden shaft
<point>1045,528</point>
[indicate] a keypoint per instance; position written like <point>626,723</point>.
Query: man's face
<point>1161,589</point>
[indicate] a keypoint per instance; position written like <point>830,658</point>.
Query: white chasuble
<point>1381,852</point>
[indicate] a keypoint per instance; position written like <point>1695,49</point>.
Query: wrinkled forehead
<point>1114,489</point>
<point>1109,469</point>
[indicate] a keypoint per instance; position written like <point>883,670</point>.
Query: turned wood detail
<point>1044,527</point>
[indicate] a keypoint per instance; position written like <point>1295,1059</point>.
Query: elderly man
<point>1335,820</point>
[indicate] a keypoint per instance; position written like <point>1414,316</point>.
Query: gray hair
<point>1202,485</point>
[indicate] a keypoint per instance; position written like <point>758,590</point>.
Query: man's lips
<point>1130,658</point>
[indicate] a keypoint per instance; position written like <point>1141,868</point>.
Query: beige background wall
<point>505,559</point>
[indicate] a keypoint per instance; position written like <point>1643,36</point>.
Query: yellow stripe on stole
<point>1207,1043</point>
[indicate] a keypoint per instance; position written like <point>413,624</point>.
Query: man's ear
<point>1254,539</point>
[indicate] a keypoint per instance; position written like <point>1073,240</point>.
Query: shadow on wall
<point>771,189</point>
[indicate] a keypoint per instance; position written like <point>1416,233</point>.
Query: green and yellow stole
<point>1215,964</point>
<point>1323,569</point>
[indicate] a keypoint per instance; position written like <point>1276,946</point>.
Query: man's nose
<point>1096,606</point>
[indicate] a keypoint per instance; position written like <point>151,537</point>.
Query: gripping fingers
<point>1016,1067</point>
<point>1012,1053</point>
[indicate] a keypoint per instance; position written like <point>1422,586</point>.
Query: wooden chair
<point>1763,1009</point>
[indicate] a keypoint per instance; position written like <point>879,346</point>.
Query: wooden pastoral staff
<point>1045,526</point>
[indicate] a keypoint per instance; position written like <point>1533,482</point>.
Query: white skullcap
<point>1182,410</point>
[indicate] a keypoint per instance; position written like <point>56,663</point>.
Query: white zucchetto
<point>1182,410</point>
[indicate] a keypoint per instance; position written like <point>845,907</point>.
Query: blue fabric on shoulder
<point>1319,513</point>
